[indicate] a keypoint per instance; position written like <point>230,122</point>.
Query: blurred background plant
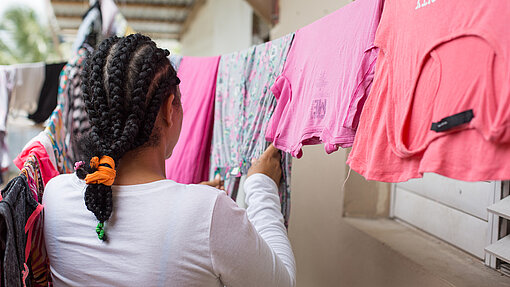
<point>24,38</point>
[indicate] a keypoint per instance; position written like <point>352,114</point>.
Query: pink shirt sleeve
<point>279,122</point>
<point>48,171</point>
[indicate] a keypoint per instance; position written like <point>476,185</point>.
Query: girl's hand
<point>268,164</point>
<point>217,182</point>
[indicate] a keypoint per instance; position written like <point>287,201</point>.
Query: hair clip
<point>78,165</point>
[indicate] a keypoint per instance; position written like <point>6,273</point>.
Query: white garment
<point>7,79</point>
<point>7,82</point>
<point>26,91</point>
<point>108,12</point>
<point>168,234</point>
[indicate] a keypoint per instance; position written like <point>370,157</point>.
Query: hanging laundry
<point>114,23</point>
<point>7,83</point>
<point>36,148</point>
<point>422,114</point>
<point>54,150</point>
<point>40,274</point>
<point>175,60</point>
<point>74,114</point>
<point>4,157</point>
<point>37,163</point>
<point>28,84</point>
<point>244,104</point>
<point>326,79</point>
<point>189,162</point>
<point>18,211</point>
<point>90,30</point>
<point>60,123</point>
<point>48,96</point>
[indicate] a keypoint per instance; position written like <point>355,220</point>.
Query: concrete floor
<point>331,250</point>
<point>360,260</point>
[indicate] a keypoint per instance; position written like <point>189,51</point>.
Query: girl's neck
<point>142,165</point>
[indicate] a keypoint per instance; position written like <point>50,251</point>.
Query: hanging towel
<point>189,162</point>
<point>440,98</point>
<point>325,80</point>
<point>27,88</point>
<point>244,104</point>
<point>48,96</point>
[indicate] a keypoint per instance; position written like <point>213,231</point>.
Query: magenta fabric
<point>325,81</point>
<point>438,59</point>
<point>190,160</point>
<point>48,171</point>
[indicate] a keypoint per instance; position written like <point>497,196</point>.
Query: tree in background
<point>23,39</point>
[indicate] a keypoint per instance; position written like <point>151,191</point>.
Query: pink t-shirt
<point>189,162</point>
<point>438,59</point>
<point>325,80</point>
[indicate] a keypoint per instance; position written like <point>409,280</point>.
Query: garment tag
<point>235,171</point>
<point>453,121</point>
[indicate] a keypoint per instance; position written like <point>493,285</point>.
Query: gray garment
<point>175,60</point>
<point>16,207</point>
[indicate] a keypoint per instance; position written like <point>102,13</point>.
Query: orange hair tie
<point>104,174</point>
<point>94,162</point>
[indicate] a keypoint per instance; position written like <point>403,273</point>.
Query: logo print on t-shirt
<point>318,110</point>
<point>424,3</point>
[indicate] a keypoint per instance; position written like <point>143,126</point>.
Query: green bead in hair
<point>100,231</point>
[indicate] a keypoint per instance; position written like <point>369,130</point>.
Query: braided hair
<point>125,81</point>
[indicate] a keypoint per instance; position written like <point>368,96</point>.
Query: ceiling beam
<point>154,35</point>
<point>133,19</point>
<point>127,4</point>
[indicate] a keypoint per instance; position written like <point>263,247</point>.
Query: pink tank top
<point>439,101</point>
<point>325,80</point>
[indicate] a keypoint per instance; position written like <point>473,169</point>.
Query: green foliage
<point>22,37</point>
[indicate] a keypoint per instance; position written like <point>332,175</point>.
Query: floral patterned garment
<point>244,104</point>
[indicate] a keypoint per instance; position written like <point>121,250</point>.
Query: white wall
<point>295,14</point>
<point>219,27</point>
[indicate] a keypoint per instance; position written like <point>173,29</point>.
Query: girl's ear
<point>167,110</point>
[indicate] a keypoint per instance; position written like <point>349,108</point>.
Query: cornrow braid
<point>141,85</point>
<point>124,84</point>
<point>118,93</point>
<point>94,94</point>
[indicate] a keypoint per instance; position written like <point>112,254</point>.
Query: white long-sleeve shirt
<point>168,234</point>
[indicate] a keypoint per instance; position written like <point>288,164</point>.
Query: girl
<point>118,221</point>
